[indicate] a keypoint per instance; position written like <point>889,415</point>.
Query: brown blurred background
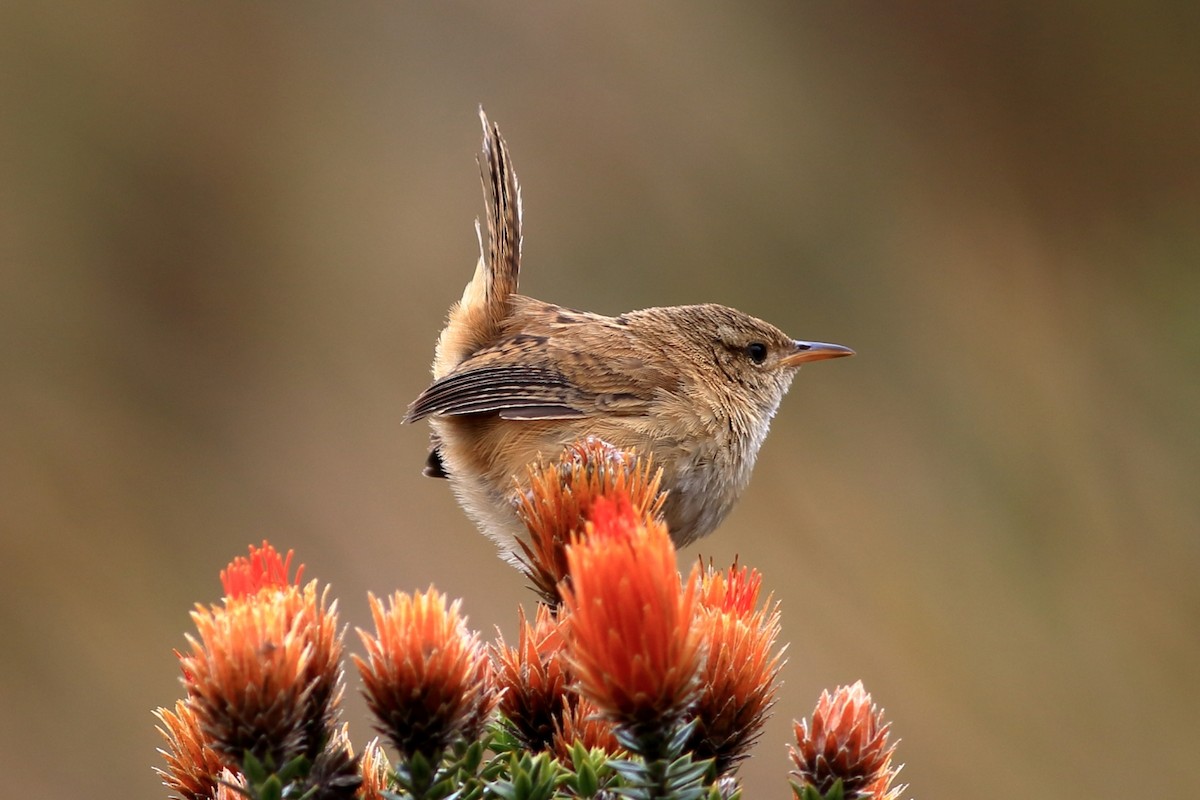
<point>229,235</point>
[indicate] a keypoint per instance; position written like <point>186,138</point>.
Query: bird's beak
<point>814,351</point>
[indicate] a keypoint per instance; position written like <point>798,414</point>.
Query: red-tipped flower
<point>560,499</point>
<point>426,677</point>
<point>634,649</point>
<point>739,677</point>
<point>847,740</point>
<point>264,672</point>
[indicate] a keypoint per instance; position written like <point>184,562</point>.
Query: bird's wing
<point>512,391</point>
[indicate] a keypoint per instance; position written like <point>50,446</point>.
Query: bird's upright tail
<point>475,320</point>
<point>503,196</point>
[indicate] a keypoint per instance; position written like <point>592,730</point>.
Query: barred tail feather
<point>476,319</point>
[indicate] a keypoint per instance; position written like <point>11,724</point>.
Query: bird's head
<point>736,356</point>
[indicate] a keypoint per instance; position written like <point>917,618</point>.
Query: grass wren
<point>517,378</point>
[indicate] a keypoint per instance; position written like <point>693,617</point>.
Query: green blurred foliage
<point>229,233</point>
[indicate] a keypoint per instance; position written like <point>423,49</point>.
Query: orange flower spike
<point>267,663</point>
<point>739,677</point>
<point>580,721</point>
<point>319,622</point>
<point>588,469</point>
<point>848,739</point>
<point>739,683</point>
<point>246,576</point>
<point>192,763</point>
<point>633,646</point>
<point>532,679</point>
<point>426,677</point>
<point>247,678</point>
<point>559,501</point>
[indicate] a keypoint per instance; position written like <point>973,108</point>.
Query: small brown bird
<point>516,378</point>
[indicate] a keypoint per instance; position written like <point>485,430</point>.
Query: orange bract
<point>580,721</point>
<point>848,739</point>
<point>427,679</point>
<point>532,679</point>
<point>738,680</point>
<point>560,498</point>
<point>738,683</point>
<point>632,646</point>
<point>192,763</point>
<point>264,674</point>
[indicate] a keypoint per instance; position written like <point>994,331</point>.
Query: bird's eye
<point>757,352</point>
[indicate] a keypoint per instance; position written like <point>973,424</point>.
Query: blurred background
<point>229,235</point>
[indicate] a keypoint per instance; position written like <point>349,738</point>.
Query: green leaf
<point>270,789</point>
<point>587,783</point>
<point>253,769</point>
<point>503,741</point>
<point>680,739</point>
<point>298,767</point>
<point>806,791</point>
<point>523,783</point>
<point>532,778</point>
<point>683,771</point>
<point>579,755</point>
<point>590,773</point>
<point>472,758</point>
